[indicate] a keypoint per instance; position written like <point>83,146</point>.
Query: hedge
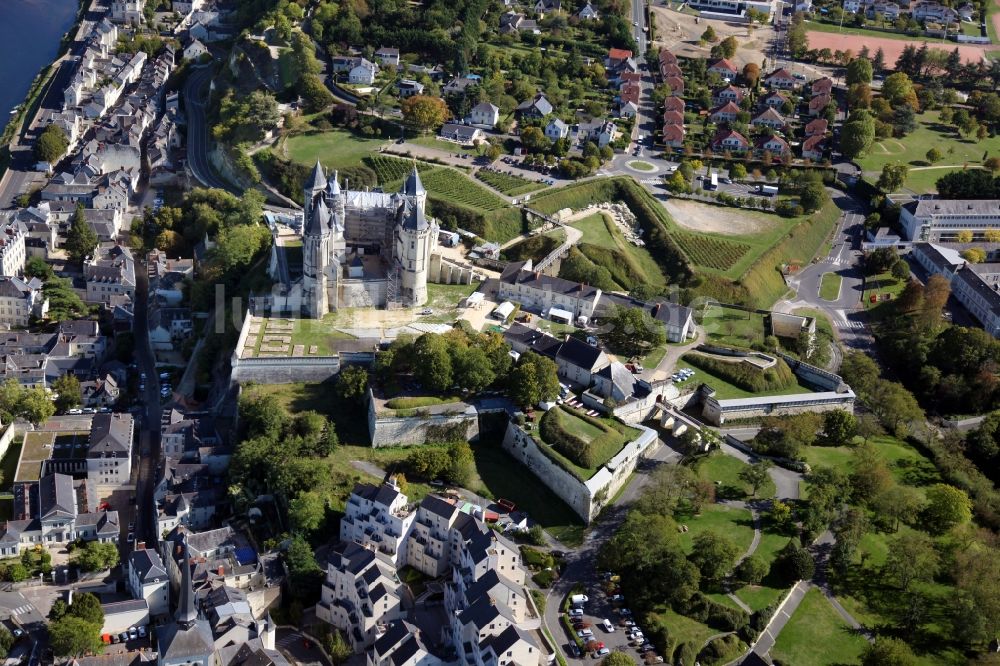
<point>703,609</point>
<point>746,375</point>
<point>577,450</point>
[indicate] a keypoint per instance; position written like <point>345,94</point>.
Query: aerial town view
<point>499,332</point>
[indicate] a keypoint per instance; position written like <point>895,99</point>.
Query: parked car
<point>603,652</point>
<point>578,599</point>
<point>142,631</point>
<point>572,650</point>
<point>608,627</point>
<point>576,612</point>
<point>585,633</point>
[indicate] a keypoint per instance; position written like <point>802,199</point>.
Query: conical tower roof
<point>412,187</point>
<point>187,614</point>
<point>316,225</point>
<point>332,186</point>
<point>317,181</point>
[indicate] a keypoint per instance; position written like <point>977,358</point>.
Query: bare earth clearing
<point>679,33</point>
<point>892,48</point>
<point>714,219</point>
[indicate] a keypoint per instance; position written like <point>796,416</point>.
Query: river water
<point>30,31</point>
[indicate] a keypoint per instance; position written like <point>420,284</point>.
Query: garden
<point>582,444</point>
<point>508,183</point>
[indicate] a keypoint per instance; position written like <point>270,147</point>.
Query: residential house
<point>781,79</point>
<point>729,93</point>
<point>360,593</point>
<point>933,11</point>
<point>110,272</point>
<point>387,57</point>
<point>408,88</point>
<point>533,289</point>
<point>822,86</point>
<point>627,109</point>
<point>363,73</point>
<point>673,136</point>
<point>460,84</point>
<point>724,68</point>
<point>515,22</point>
<point>129,12</point>
<point>673,118</point>
<point>616,58</point>
<point>853,6</point>
<point>195,50</point>
<point>20,300</point>
<point>670,69</point>
<point>769,118</point>
<point>109,449</point>
<point>169,326</point>
<point>536,107</point>
<point>379,515</point>
<point>146,578</point>
<point>588,13</point>
<point>673,104</point>
<point>461,134</point>
<point>56,510</point>
<point>726,113</point>
<point>775,100</point>
<point>543,7</point>
<point>677,320</point>
<point>12,250</point>
<point>556,129</point>
<point>401,645</point>
<point>775,145</point>
<point>676,85</point>
<point>818,104</point>
<point>484,114</point>
<point>814,147</point>
<point>600,131</point>
<point>817,127</point>
<point>102,392</point>
<point>889,11</point>
<point>730,140</point>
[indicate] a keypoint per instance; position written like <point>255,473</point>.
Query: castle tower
<point>316,258</point>
<point>315,184</point>
<point>412,187</point>
<point>336,201</point>
<point>416,238</point>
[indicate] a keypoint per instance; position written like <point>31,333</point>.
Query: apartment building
<point>934,220</point>
<point>533,289</point>
<point>380,516</point>
<point>146,578</point>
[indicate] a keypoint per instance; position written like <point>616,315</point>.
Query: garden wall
<point>585,498</point>
<point>460,421</point>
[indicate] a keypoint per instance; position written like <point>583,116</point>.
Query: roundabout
<point>642,166</point>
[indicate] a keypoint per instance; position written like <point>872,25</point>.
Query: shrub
<point>577,450</point>
<point>544,579</point>
<point>536,559</point>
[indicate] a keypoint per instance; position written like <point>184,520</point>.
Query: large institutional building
<point>364,247</point>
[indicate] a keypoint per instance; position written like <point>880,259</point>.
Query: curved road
<point>195,100</point>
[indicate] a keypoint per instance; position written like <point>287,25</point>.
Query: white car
<point>576,612</point>
<point>608,627</point>
<point>585,633</point>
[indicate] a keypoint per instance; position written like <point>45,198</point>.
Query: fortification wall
<point>386,429</point>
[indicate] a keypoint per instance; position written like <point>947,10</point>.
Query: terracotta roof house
<point>731,140</point>
<point>676,84</point>
<point>727,94</point>
<point>814,147</point>
<point>670,69</point>
<point>775,144</point>
<point>673,118</point>
<point>673,104</point>
<point>667,57</point>
<point>724,114</point>
<point>822,86</point>
<point>775,100</point>
<point>780,79</point>
<point>769,118</point>
<point>818,103</point>
<point>616,57</point>
<point>673,135</point>
<point>724,68</point>
<point>817,127</point>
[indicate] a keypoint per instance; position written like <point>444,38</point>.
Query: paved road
<point>195,99</point>
<point>149,449</point>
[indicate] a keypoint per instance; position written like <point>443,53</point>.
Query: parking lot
<point>604,624</point>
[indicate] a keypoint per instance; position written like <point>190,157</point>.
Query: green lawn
<point>680,628</point>
<point>736,524</point>
<point>726,391</point>
<point>907,464</point>
<point>606,438</point>
<point>724,471</point>
<point>881,285</point>
<point>8,465</point>
<point>758,597</point>
<point>640,165</point>
<point>594,230</point>
<point>912,150</point>
<point>991,9</point>
<point>653,357</point>
<point>413,402</point>
<point>336,149</point>
<point>829,288</point>
<point>817,636</point>
<point>729,326</point>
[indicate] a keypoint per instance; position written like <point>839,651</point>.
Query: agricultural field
<point>912,150</point>
<point>710,252</point>
<point>453,186</point>
<point>392,170</point>
<point>507,183</point>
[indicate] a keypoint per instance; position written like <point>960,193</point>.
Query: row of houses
<point>925,10</point>
<point>491,616</point>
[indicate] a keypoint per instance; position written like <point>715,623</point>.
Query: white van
<point>578,599</point>
<point>608,627</point>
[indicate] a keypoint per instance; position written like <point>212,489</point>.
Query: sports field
<point>891,47</point>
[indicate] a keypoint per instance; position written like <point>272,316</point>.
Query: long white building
<point>940,220</point>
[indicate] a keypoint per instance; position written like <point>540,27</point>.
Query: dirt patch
<point>892,48</point>
<point>698,216</point>
<point>679,33</point>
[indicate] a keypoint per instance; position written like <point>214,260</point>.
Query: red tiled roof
<point>817,126</point>
<point>619,54</point>
<point>819,101</point>
<point>673,104</point>
<point>676,83</point>
<point>673,118</point>
<point>814,143</point>
<point>728,107</point>
<point>819,86</point>
<point>673,133</point>
<point>670,69</point>
<point>666,56</point>
<point>724,134</point>
<point>781,74</point>
<point>723,63</point>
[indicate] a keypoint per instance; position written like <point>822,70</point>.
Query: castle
<point>364,248</point>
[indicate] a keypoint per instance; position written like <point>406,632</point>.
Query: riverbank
<point>19,122</point>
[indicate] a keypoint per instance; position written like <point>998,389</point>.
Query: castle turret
<point>315,184</point>
<point>416,237</point>
<point>315,256</point>
<point>412,187</point>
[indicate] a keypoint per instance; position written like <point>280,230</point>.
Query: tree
<point>67,387</point>
<point>727,47</point>
<point>461,465</point>
<point>795,562</point>
<point>912,557</point>
<point>533,380</point>
<point>87,607</point>
<point>315,95</point>
<point>992,164</point>
<point>714,555</point>
<point>936,293</point>
<point>432,362</point>
<point>678,184</point>
<point>900,270</point>
<point>752,570</point>
<point>899,504</point>
<point>423,112</point>
<point>96,556</point>
<point>305,576</point>
<point>307,511</point>
<point>709,35</point>
<point>974,255</point>
<point>857,135</point>
<point>472,368</point>
<point>352,383</point>
<point>751,74</point>
<point>859,70</point>
<point>888,652</point>
<point>72,636</point>
<point>934,156</point>
<point>893,176</point>
<point>81,241</point>
<point>51,144</point>
<point>534,140</point>
<point>36,267</point>
<point>947,506</point>
<point>618,659</point>
<point>898,89</point>
<point>632,330</point>
<point>859,96</point>
<point>813,196</point>
<point>756,475</point>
